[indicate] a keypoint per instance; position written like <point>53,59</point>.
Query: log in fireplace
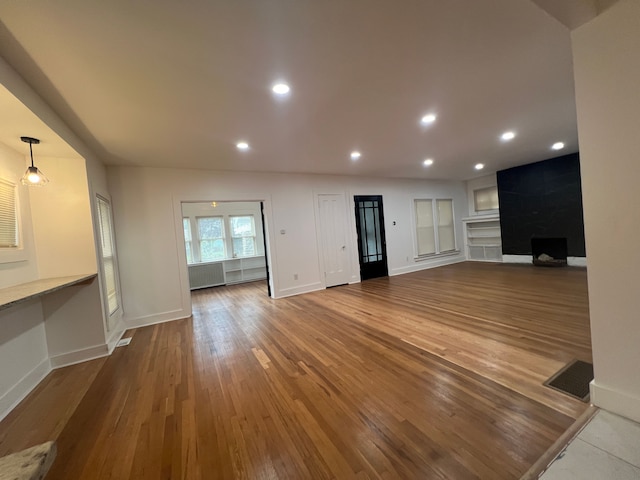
<point>549,252</point>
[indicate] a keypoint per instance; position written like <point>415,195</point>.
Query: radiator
<point>206,275</point>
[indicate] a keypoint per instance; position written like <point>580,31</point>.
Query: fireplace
<point>549,252</point>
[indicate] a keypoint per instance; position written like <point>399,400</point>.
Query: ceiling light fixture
<point>355,155</point>
<point>33,176</point>
<point>506,136</point>
<point>479,166</point>
<point>428,119</point>
<point>557,146</point>
<point>242,146</point>
<point>281,88</point>
<point>428,162</point>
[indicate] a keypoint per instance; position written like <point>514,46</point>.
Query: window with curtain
<point>8,216</point>
<point>108,255</point>
<point>243,235</point>
<point>188,241</point>
<point>435,229</point>
<point>425,232</point>
<point>211,238</point>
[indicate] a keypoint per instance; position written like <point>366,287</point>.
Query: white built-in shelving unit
<point>483,241</point>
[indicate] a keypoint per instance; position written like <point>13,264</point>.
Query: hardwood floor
<point>435,374</point>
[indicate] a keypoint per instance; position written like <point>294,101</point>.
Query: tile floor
<point>608,448</point>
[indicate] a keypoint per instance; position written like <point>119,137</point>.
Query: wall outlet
<point>295,276</point>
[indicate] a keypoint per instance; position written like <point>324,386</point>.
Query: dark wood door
<point>372,247</point>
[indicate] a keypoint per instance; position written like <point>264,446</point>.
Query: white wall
<point>24,359</point>
<point>61,216</point>
<point>147,207</point>
<point>607,77</point>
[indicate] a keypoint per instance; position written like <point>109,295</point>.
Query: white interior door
<point>333,238</point>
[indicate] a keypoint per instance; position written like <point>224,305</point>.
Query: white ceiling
<point>166,83</point>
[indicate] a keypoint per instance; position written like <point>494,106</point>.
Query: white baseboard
<point>425,264</point>
<point>115,336</point>
<point>620,403</point>
<point>156,318</point>
<point>289,292</point>
<point>78,356</point>
<point>20,390</point>
<point>571,261</point>
<point>517,259</point>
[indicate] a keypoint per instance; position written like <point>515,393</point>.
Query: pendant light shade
<point>32,177</point>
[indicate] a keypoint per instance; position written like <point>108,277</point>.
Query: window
<point>424,227</point>
<point>446,236</point>
<point>186,225</point>
<point>435,228</point>
<point>243,235</point>
<point>211,238</point>
<point>486,199</point>
<point>8,215</point>
<point>107,251</point>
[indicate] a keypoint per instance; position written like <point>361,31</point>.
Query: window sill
<point>431,256</point>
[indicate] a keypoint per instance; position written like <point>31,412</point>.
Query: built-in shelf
<point>226,272</point>
<point>483,240</point>
<point>23,292</point>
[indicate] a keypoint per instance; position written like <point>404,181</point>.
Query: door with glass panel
<point>372,248</point>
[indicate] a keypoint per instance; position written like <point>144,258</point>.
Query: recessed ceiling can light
<point>428,119</point>
<point>281,88</point>
<point>355,155</point>
<point>428,162</point>
<point>557,146</point>
<point>242,146</point>
<point>479,166</point>
<point>506,136</point>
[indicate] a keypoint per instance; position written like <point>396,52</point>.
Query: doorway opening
<point>225,243</point>
<point>372,246</point>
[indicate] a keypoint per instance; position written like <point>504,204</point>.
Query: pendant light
<point>33,176</point>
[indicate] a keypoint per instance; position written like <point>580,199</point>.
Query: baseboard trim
<point>426,264</point>
<point>571,261</point>
<point>157,318</point>
<point>290,292</point>
<point>615,401</point>
<point>79,356</point>
<point>20,390</point>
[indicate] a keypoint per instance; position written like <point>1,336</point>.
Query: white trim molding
<point>25,385</point>
<point>615,401</point>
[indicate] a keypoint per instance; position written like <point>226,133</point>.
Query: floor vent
<point>573,380</point>
<point>123,342</point>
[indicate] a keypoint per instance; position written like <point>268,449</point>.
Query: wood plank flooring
<point>435,374</point>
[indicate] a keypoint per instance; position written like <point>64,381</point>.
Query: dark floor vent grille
<point>573,379</point>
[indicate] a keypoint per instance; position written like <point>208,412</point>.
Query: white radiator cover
<point>206,275</point>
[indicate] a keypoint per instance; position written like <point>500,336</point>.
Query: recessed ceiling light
<point>506,136</point>
<point>355,155</point>
<point>428,119</point>
<point>479,166</point>
<point>557,146</point>
<point>281,88</point>
<point>242,146</point>
<point>427,162</point>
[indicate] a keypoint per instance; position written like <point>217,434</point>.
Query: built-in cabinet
<point>244,269</point>
<point>483,241</point>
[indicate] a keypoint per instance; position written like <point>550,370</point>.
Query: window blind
<point>8,215</point>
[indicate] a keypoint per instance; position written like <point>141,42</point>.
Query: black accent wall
<point>542,199</point>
